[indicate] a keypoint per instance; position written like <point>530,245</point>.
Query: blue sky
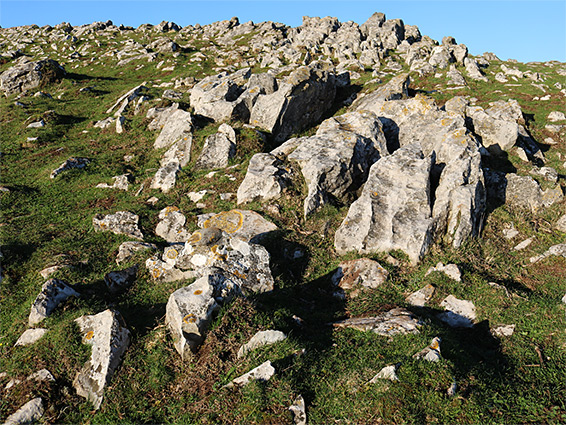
<point>512,29</point>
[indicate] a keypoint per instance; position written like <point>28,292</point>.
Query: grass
<point>516,379</point>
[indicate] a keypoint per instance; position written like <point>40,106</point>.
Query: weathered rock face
<point>359,274</point>
<point>397,321</point>
<point>106,332</point>
<point>496,134</point>
<point>301,99</point>
<point>265,179</point>
<point>243,224</point>
<point>27,74</point>
<point>396,88</point>
<point>393,211</point>
<point>53,292</point>
<point>171,225</point>
<point>218,148</point>
<point>122,222</point>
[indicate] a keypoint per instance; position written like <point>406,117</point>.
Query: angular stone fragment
<point>166,272</point>
<point>261,339</point>
<point>298,410</point>
<point>53,292</point>
<point>388,372</point>
<point>171,225</point>
<point>29,413</point>
<point>558,250</point>
<point>560,224</point>
<point>496,134</point>
<point>120,182</point>
<point>218,149</point>
<point>244,224</point>
<point>422,296</point>
<point>432,352</point>
<point>503,331</point>
<point>459,313</point>
<point>69,164</point>
<point>121,222</point>
<point>523,193</point>
<point>176,125</point>
<point>397,321</point>
<point>359,274</point>
<point>473,70</point>
<point>396,88</point>
<point>126,250</point>
<point>265,179</point>
<point>189,311</point>
<point>106,332</point>
<point>30,336</point>
<point>450,270</point>
<point>118,281</point>
<point>393,211</point>
<point>263,373</point>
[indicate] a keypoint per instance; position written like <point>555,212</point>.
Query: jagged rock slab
<point>176,125</point>
<point>263,373</point>
<point>29,413</point>
<point>459,313</point>
<point>53,292</point>
<point>70,164</point>
<point>118,281</point>
<point>496,134</point>
<point>127,250</point>
<point>106,332</point>
<point>393,211</point>
<point>397,321</point>
<point>218,149</point>
<point>244,224</point>
<point>30,336</point>
<point>261,339</point>
<point>171,225</point>
<point>422,296</point>
<point>299,411</point>
<point>359,274</point>
<point>265,179</point>
<point>26,75</point>
<point>120,223</point>
<point>189,312</point>
<point>396,88</point>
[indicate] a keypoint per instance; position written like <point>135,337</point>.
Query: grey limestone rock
<point>120,182</point>
<point>265,179</point>
<point>126,250</point>
<point>432,352</point>
<point>171,225</point>
<point>53,292</point>
<point>263,372</point>
<point>106,332</point>
<point>450,270</point>
<point>121,222</point>
<point>359,274</point>
<point>422,296</point>
<point>218,149</point>
<point>441,57</point>
<point>243,224</point>
<point>397,321</point>
<point>459,313</point>
<point>30,336</point>
<point>496,134</point>
<point>388,372</point>
<point>176,125</point>
<point>396,88</point>
<point>299,411</point>
<point>118,281</point>
<point>558,250</point>
<point>393,211</point>
<point>27,74</point>
<point>29,413</point>
<point>73,162</point>
<point>473,70</point>
<point>261,339</point>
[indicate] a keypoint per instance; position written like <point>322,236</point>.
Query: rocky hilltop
<point>241,223</point>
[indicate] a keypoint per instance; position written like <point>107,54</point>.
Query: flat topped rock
<point>120,223</point>
<point>398,321</point>
<point>360,273</point>
<point>459,313</point>
<point>244,224</point>
<point>106,332</point>
<point>53,292</point>
<point>261,339</point>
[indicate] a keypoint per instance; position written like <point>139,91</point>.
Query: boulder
<point>441,57</point>
<point>459,313</point>
<point>120,223</point>
<point>261,339</point>
<point>106,332</point>
<point>263,373</point>
<point>393,211</point>
<point>397,321</point>
<point>265,179</point>
<point>496,134</point>
<point>171,225</point>
<point>473,70</point>
<point>218,149</point>
<point>70,164</point>
<point>118,281</point>
<point>243,224</point>
<point>53,292</point>
<point>175,125</point>
<point>29,413</point>
<point>127,250</point>
<point>27,74</point>
<point>356,275</point>
<point>300,100</point>
<point>30,336</point>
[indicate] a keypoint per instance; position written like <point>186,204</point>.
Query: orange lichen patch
<point>172,254</point>
<point>156,273</point>
<point>214,250</point>
<point>170,209</point>
<point>197,292</point>
<point>240,275</point>
<point>229,221</point>
<point>434,345</point>
<point>195,237</point>
<point>89,335</point>
<point>189,318</point>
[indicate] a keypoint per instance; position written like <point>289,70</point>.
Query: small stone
<point>261,339</point>
<point>118,281</point>
<point>388,372</point>
<point>459,313</point>
<point>364,273</point>
<point>560,224</point>
<point>37,124</point>
<point>432,352</point>
<point>556,116</point>
<point>505,330</point>
<point>30,336</point>
<point>298,410</point>
<point>421,297</point>
<point>226,196</point>
<point>450,270</point>
<point>29,413</point>
<point>48,271</point>
<point>128,249</point>
<point>397,321</point>
<point>523,244</point>
<point>42,375</point>
<point>263,373</point>
<point>122,222</point>
<point>510,232</point>
<point>451,391</point>
<point>152,201</point>
<point>197,196</point>
<point>69,164</point>
<point>53,292</point>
